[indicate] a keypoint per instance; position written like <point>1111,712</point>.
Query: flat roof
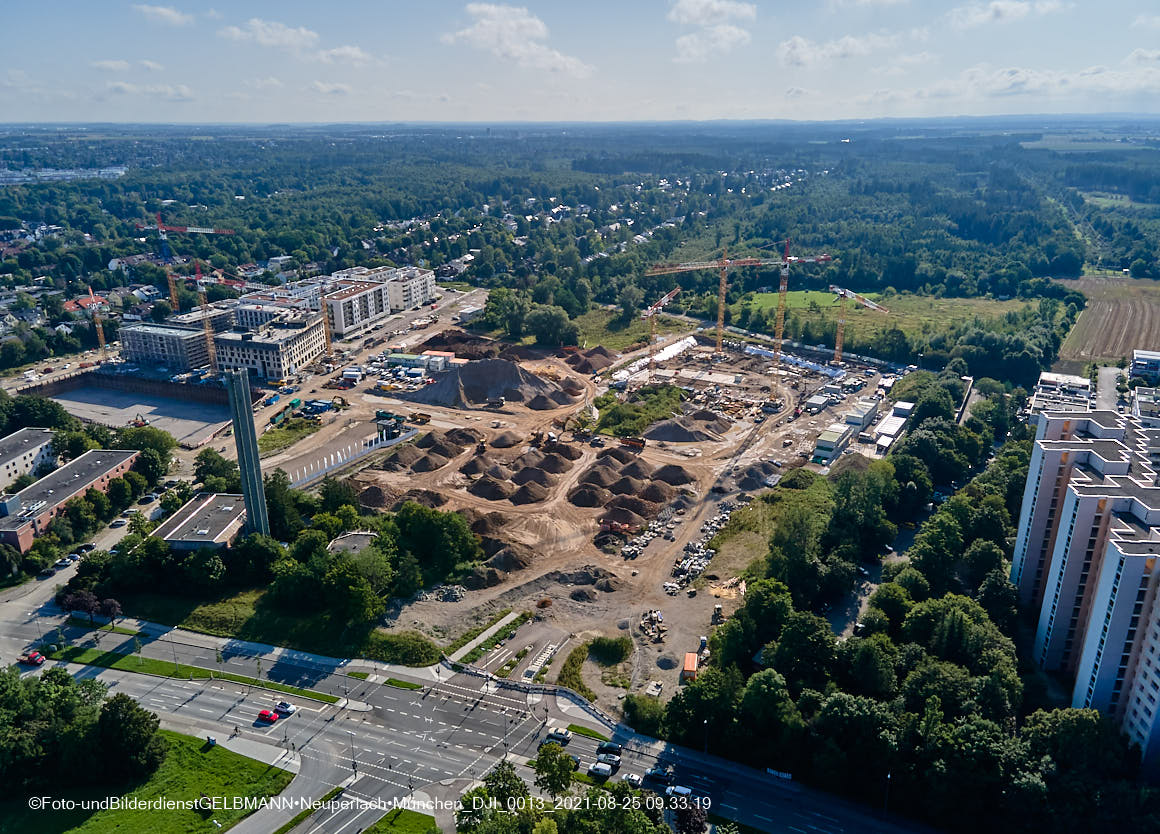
<point>19,442</point>
<point>164,330</point>
<point>351,288</point>
<point>204,518</point>
<point>74,477</point>
<point>1153,355</point>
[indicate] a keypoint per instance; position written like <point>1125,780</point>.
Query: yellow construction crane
<point>325,320</point>
<point>210,347</point>
<point>724,264</point>
<point>651,315</point>
<point>173,291</point>
<point>98,325</point>
<point>844,294</point>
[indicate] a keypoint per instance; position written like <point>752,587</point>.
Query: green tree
<point>151,465</point>
<point>551,326</point>
<point>504,784</point>
<point>804,653</point>
<point>774,728</point>
<point>335,493</point>
<point>553,770</point>
<point>127,738</point>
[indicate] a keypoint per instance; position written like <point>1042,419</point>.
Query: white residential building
<point>355,306</point>
<point>277,350</point>
<point>1086,557</point>
<point>411,287</point>
<point>23,452</point>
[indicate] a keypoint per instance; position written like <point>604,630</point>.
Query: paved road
<point>1106,395</point>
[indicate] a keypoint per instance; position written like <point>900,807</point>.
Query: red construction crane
<point>844,294</point>
<point>162,230</point>
<point>651,315</point>
<point>724,264</point>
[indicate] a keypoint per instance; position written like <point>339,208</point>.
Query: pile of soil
<point>464,345</point>
<point>680,430</point>
<point>658,492</point>
<point>429,463</point>
<point>618,453</point>
<point>587,575</point>
<point>513,557</point>
<point>609,584</point>
<point>587,495</point>
<point>533,475</point>
<point>486,524</point>
<point>599,475</point>
<point>716,423</point>
<point>590,361</point>
<point>555,464</point>
<point>483,577</point>
<point>402,458</point>
<point>373,497</point>
<point>427,440</point>
<point>627,486</point>
<point>564,450</point>
<point>500,472</point>
<point>562,397</point>
<point>463,437</point>
<point>476,465</point>
<point>642,508</point>
<point>506,439</point>
<point>425,497</point>
<point>532,457</point>
<point>445,449</point>
<point>530,493</point>
<point>753,477</point>
<point>622,515</point>
<point>667,662</point>
<point>583,595</point>
<point>491,489</point>
<point>572,387</point>
<point>521,353</point>
<point>674,474</point>
<point>541,403</point>
<point>637,469</point>
<point>473,384</point>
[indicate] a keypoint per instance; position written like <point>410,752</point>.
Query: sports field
<point>1122,314</point>
<point>912,314</point>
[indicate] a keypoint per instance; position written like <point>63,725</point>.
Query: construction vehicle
<point>496,402</point>
<point>637,443</point>
<point>420,418</point>
<point>844,294</point>
<point>537,438</point>
<point>718,614</point>
<point>651,315</point>
<point>138,422</point>
<point>340,402</point>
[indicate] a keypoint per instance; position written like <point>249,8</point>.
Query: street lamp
<point>706,736</point>
<point>353,760</point>
<point>886,800</point>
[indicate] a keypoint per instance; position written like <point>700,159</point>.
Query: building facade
<point>177,348</point>
<point>1146,363</point>
<point>356,306</point>
<point>1085,559</point>
<point>220,315</point>
<point>23,452</point>
<point>246,442</point>
<point>277,350</point>
<point>411,287</point>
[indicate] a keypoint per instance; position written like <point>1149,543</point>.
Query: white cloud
<point>152,66</point>
<point>271,33</point>
<point>715,34</point>
<point>698,46</point>
<point>1147,21</point>
<point>329,88</point>
<point>213,14</point>
<point>169,92</point>
<point>110,66</point>
<point>868,2</point>
<point>1001,11</point>
<point>164,14</point>
<point>515,34</point>
<point>343,55</point>
<point>710,12</point>
<point>801,52</point>
<point>267,83</point>
<point>1098,82</point>
<point>899,64</point>
<point>1143,57</point>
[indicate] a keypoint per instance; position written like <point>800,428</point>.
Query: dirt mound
<point>609,584</point>
<point>533,475</point>
<point>680,430</point>
<point>506,439</point>
<point>483,577</point>
<point>618,453</point>
<point>491,489</point>
<point>427,440</point>
<point>445,449</point>
<point>542,403</point>
<point>621,515</point>
<point>514,556</point>
<point>562,397</point>
<point>500,472</point>
<point>588,495</point>
<point>532,457</point>
<point>667,662</point>
<point>530,493</point>
<point>658,492</point>
<point>572,387</point>
<point>424,497</point>
<point>463,344</point>
<point>374,497</point>
<point>402,458</point>
<point>642,508</point>
<point>583,595</point>
<point>590,361</point>
<point>674,474</point>
<point>564,450</point>
<point>587,575</point>
<point>477,465</point>
<point>473,384</point>
<point>487,524</point>
<point>555,464</point>
<point>637,468</point>
<point>627,486</point>
<point>429,463</point>
<point>600,474</point>
<point>704,415</point>
<point>463,437</point>
<point>753,477</point>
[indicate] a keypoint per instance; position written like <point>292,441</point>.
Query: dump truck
<point>420,418</point>
<point>633,442</point>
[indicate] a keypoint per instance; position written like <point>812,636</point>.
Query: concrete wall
<point>212,394</point>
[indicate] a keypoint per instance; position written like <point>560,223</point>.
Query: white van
<point>600,770</point>
<point>678,790</point>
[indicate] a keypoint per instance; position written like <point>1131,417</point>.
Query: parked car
<point>632,779</point>
<point>285,708</point>
<point>120,522</point>
<point>32,658</point>
<point>73,557</point>
<point>88,547</point>
<point>268,715</point>
<point>600,770</point>
<point>61,563</point>
<point>560,734</point>
<point>610,759</point>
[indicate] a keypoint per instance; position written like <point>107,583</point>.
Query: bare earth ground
<point>1122,314</point>
<point>189,422</point>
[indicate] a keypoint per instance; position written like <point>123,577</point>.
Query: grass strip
<point>302,815</point>
<point>79,623</point>
<point>398,684</point>
<point>152,666</point>
<point>581,730</point>
<point>469,635</point>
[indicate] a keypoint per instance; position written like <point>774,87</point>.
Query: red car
<point>268,715</point>
<point>32,659</point>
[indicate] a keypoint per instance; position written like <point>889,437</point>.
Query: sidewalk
<point>463,651</point>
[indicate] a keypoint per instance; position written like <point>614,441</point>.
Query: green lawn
<point>128,662</point>
<point>286,435</point>
<point>605,327</point>
<point>403,821</point>
<point>247,615</point>
<point>571,672</point>
<point>80,622</point>
<point>398,684</point>
<point>581,730</point>
<point>469,635</point>
<point>189,770</point>
<point>362,676</point>
<point>913,314</point>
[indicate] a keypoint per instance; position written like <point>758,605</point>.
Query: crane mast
<point>210,347</point>
<point>843,296</point>
<point>651,315</point>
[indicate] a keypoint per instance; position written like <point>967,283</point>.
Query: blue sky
<point>541,60</point>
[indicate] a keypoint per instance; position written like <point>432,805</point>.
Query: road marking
<point>763,819</point>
